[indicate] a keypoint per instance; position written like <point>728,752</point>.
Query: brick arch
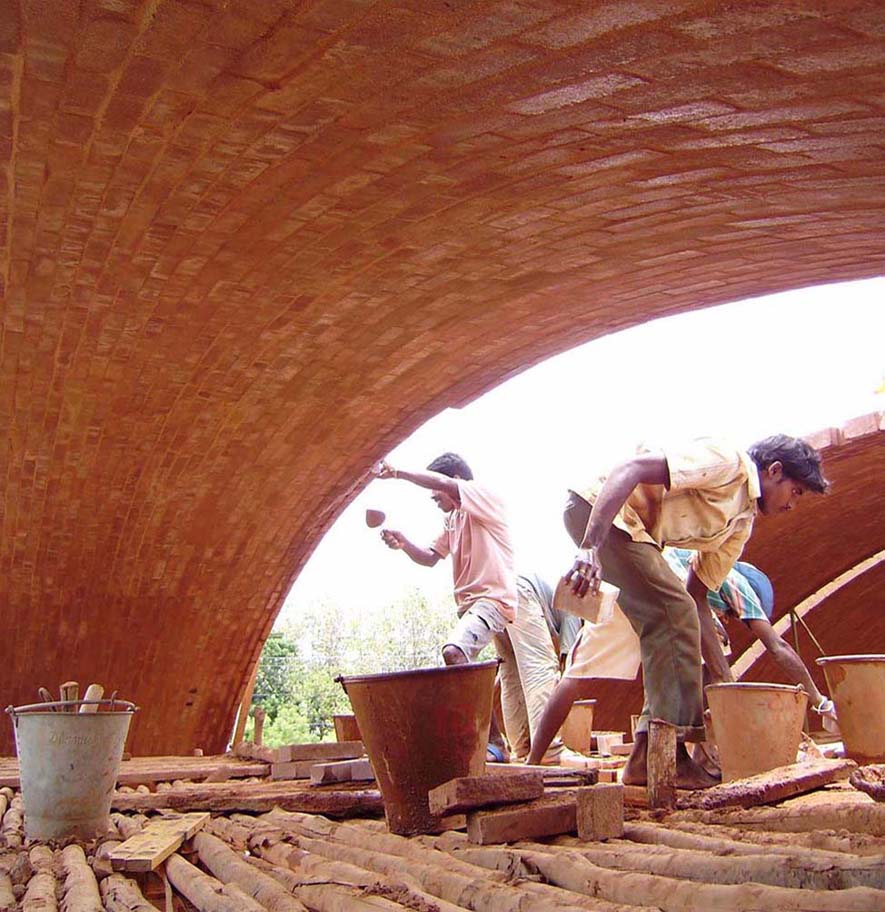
<point>248,247</point>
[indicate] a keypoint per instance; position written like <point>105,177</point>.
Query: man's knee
<point>453,655</point>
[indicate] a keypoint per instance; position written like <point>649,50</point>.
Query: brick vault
<point>249,245</point>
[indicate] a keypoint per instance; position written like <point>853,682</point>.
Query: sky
<point>792,363</point>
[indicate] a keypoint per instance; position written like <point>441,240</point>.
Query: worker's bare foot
<point>690,775</point>
<point>635,771</point>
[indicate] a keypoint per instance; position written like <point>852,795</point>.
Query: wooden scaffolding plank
<point>254,797</point>
<point>145,770</point>
<point>156,842</point>
<point>770,787</point>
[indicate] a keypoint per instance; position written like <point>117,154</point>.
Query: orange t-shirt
<point>477,535</point>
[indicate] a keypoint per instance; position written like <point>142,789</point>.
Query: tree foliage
<point>296,675</point>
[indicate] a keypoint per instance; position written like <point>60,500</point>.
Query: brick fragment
<point>471,792</point>
<point>600,811</point>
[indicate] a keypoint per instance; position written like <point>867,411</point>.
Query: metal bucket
<point>757,727</point>
<point>69,762</point>
<point>422,728</point>
<point>857,687</point>
<point>346,728</point>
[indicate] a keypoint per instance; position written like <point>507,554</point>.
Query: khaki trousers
<point>528,674</point>
<point>664,616</point>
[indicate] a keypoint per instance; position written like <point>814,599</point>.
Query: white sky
<point>790,363</point>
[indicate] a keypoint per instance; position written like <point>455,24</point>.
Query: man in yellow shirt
<point>703,497</point>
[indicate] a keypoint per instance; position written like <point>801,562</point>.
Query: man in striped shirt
<point>748,596</point>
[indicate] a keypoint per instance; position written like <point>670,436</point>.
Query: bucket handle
<point>60,705</point>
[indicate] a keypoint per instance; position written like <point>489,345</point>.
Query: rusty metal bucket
<point>857,687</point>
<point>422,728</point>
<point>346,728</point>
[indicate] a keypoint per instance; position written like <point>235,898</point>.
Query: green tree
<point>301,661</point>
<point>409,633</point>
<point>276,671</point>
<point>318,697</point>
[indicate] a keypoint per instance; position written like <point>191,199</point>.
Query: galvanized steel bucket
<point>69,763</point>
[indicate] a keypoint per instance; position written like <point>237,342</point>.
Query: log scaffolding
<point>824,850</point>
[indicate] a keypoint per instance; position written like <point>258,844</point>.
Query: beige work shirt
<point>709,507</point>
<point>477,535</point>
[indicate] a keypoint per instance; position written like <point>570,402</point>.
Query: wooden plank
<point>359,770</point>
<point>554,776</point>
<point>254,797</point>
<point>661,764</point>
<point>323,752</point>
<point>145,770</point>
<point>550,815</point>
<point>291,769</point>
<point>156,842</point>
<point>771,786</point>
<point>604,741</point>
<point>600,812</point>
<point>470,792</point>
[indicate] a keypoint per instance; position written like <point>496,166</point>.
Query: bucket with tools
<point>69,755</point>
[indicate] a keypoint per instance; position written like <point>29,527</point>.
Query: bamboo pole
<point>229,868</point>
<point>844,812</point>
<point>474,892</point>
<point>572,871</point>
<point>40,893</point>
<point>824,849</point>
<point>12,826</point>
<point>339,887</point>
<point>818,840</point>
<point>203,891</point>
<point>7,896</point>
<point>713,865</point>
<point>353,835</point>
<point>121,894</point>
<point>80,889</point>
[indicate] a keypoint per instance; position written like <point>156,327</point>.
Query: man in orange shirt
<point>703,497</point>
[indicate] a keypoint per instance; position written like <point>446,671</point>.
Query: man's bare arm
<point>433,481</point>
<point>586,572</point>
<point>711,645</point>
<point>786,657</point>
<point>427,557</point>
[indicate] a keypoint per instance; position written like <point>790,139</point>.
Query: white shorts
<point>607,650</point>
<point>476,627</point>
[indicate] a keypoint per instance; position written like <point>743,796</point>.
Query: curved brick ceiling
<point>248,246</point>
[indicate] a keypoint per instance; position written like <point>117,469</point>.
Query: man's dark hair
<point>451,464</point>
<point>800,460</point>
